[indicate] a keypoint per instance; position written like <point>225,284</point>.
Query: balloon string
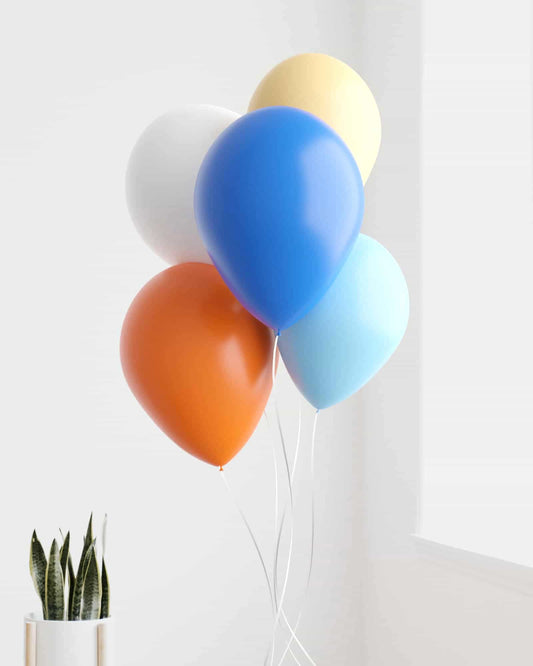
<point>276,532</point>
<point>274,457</point>
<point>284,590</point>
<point>281,612</point>
<point>276,489</point>
<point>292,631</point>
<point>290,477</point>
<point>292,474</point>
<point>252,536</point>
<point>312,548</point>
<point>291,513</point>
<point>275,349</point>
<point>313,512</point>
<point>297,448</point>
<point>285,456</point>
<point>276,510</point>
<point>277,611</point>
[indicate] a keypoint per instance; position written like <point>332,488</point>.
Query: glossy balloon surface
<point>161,175</point>
<point>351,333</point>
<point>197,361</point>
<point>334,92</point>
<point>279,203</point>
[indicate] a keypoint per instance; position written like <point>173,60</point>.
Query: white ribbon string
<point>277,604</point>
<point>276,342</point>
<point>252,536</point>
<point>297,448</point>
<point>312,549</point>
<point>290,477</point>
<point>276,489</point>
<point>280,612</point>
<point>291,514</point>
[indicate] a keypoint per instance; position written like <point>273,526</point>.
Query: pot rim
<point>35,618</point>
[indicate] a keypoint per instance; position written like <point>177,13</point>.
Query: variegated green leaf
<point>88,592</point>
<point>71,584</point>
<point>104,609</point>
<point>89,535</point>
<point>75,610</point>
<point>64,555</point>
<point>38,569</point>
<point>92,590</point>
<point>87,541</point>
<point>54,586</point>
<point>74,607</point>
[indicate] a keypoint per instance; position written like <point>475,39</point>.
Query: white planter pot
<point>81,643</point>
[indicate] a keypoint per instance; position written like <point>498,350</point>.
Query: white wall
<point>79,83</point>
<point>421,610</point>
<point>477,389</point>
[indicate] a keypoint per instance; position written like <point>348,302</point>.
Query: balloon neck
<point>221,469</point>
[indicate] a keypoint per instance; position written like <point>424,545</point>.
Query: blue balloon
<point>344,340</point>
<point>279,203</point>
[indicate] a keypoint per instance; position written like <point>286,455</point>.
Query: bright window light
<point>477,278</point>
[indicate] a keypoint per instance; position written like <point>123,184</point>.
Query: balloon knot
<point>221,469</point>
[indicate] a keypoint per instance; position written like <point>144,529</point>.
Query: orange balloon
<point>197,361</point>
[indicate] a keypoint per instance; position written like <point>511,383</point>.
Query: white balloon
<point>161,176</point>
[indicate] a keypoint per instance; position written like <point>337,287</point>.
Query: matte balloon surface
<point>161,175</point>
<point>279,202</point>
<point>334,92</point>
<point>197,361</point>
<point>345,339</point>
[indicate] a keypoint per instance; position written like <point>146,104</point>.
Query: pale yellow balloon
<point>331,90</point>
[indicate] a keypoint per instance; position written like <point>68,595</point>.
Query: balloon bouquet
<point>259,217</point>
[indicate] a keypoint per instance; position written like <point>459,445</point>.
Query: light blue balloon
<point>353,330</point>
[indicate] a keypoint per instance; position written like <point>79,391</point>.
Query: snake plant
<point>66,593</point>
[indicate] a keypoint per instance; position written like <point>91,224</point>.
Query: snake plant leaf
<point>77,589</point>
<point>54,586</point>
<point>86,546</point>
<point>64,555</point>
<point>88,591</point>
<point>87,541</point>
<point>104,609</point>
<point>92,590</point>
<point>38,569</point>
<point>71,584</point>
<point>89,536</point>
<point>75,609</point>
